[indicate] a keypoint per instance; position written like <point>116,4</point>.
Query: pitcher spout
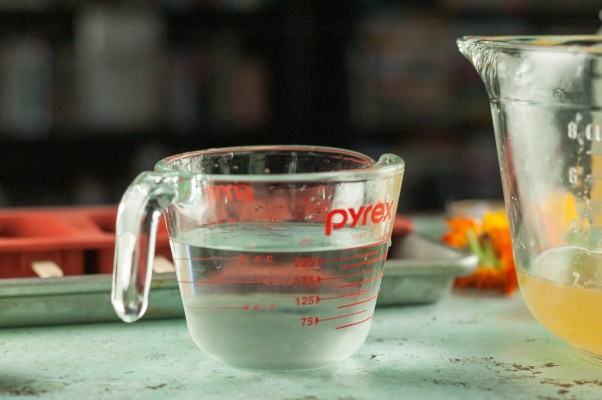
<point>551,70</point>
<point>483,58</point>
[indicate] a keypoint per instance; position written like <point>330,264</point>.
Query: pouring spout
<point>550,70</point>
<point>483,57</point>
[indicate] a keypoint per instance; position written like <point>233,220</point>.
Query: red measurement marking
<point>311,300</point>
<point>358,302</point>
<point>355,323</point>
<point>308,262</point>
<point>242,258</point>
<point>307,300</point>
<point>348,275</point>
<point>371,261</point>
<point>343,316</point>
<point>346,295</point>
<point>260,259</point>
<point>370,253</point>
<point>298,281</point>
<point>252,282</point>
<point>361,282</point>
<point>305,280</point>
<point>309,321</point>
<point>239,192</point>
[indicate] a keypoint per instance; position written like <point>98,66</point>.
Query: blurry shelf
<point>371,75</point>
<point>55,25</point>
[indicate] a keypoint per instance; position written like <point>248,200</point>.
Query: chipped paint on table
<point>466,346</point>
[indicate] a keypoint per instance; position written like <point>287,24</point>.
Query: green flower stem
<point>483,249</point>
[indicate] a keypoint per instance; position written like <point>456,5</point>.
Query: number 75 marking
<point>309,321</point>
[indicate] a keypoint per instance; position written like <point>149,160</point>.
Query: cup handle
<point>136,228</point>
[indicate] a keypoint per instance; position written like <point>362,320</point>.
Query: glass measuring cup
<point>279,250</point>
<point>546,96</point>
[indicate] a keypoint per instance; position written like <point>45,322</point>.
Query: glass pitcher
<point>546,96</point>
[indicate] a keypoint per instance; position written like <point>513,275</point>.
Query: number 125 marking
<point>307,300</point>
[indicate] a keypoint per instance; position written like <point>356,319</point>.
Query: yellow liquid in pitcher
<point>564,293</point>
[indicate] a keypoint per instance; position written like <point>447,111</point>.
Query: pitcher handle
<point>136,228</point>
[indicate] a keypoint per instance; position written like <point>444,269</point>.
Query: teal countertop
<point>465,346</point>
<point>468,345</point>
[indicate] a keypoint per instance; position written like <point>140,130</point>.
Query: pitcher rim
<point>387,165</point>
<point>554,43</point>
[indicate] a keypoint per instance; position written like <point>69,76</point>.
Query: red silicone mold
<point>79,240</point>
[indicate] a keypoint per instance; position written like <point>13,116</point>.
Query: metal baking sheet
<point>78,299</point>
<point>418,270</point>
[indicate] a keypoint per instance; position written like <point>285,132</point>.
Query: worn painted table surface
<point>466,346</point>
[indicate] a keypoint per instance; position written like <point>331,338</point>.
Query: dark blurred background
<point>93,92</point>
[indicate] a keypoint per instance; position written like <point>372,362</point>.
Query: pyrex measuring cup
<point>279,250</point>
<point>546,98</point>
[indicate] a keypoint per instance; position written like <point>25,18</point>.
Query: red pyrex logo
<point>377,213</point>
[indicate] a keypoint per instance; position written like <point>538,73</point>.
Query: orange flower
<point>490,240</point>
<point>456,236</point>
